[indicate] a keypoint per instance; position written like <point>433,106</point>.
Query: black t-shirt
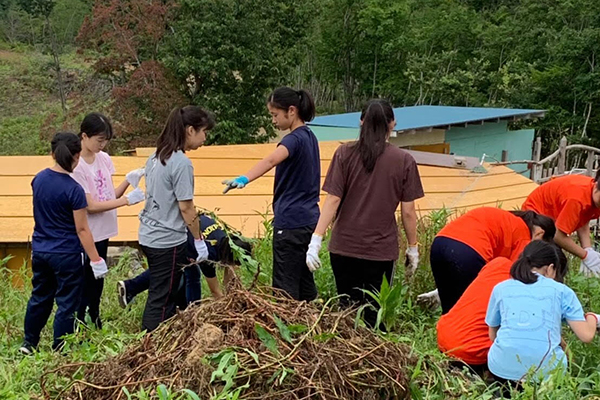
<point>298,181</point>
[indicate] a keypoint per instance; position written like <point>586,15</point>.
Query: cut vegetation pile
<point>253,343</point>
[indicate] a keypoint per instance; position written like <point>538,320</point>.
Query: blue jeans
<point>55,277</point>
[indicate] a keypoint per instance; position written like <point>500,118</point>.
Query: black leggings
<point>352,275</point>
<point>92,290</point>
<point>454,265</point>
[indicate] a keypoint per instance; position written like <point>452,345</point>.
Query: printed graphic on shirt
<point>529,313</point>
<point>102,188</point>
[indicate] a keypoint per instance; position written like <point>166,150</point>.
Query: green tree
<point>43,10</point>
<point>127,36</point>
<point>229,54</point>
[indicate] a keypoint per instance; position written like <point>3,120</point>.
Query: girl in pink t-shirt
<point>94,173</point>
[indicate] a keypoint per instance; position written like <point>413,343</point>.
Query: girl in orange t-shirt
<point>465,245</point>
<point>572,202</point>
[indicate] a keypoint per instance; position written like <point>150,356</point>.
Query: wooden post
<point>589,163</point>
<point>562,156</point>
<point>504,156</point>
<point>536,170</point>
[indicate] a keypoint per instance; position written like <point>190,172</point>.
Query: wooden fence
<point>568,159</point>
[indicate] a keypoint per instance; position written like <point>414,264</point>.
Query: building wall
<point>472,141</point>
<point>329,133</point>
<point>403,139</point>
<point>491,139</point>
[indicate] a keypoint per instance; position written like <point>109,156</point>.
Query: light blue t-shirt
<point>530,317</point>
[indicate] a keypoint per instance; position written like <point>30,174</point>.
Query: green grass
<point>431,377</point>
<point>30,108</point>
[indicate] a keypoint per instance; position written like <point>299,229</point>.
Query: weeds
<point>430,378</point>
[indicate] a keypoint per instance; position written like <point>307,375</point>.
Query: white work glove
<point>412,260</point>
<point>134,177</point>
<point>201,249</point>
<point>99,267</point>
<point>590,265</point>
<point>135,196</point>
<point>430,299</point>
<point>313,262</point>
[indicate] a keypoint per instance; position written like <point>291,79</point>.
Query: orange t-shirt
<point>491,232</point>
<point>567,200</point>
<point>462,333</point>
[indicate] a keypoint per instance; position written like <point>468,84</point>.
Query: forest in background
<point>137,59</point>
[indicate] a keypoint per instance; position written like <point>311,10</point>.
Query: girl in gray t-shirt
<point>170,209</point>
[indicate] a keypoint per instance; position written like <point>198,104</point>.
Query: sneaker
<point>26,349</point>
<point>122,290</point>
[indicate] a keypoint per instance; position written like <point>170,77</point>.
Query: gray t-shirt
<point>161,223</point>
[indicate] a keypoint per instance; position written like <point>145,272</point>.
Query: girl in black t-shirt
<point>296,192</point>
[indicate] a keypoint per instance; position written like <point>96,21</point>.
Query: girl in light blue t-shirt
<point>525,315</point>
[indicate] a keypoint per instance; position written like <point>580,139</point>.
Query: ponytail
<point>376,117</point>
<point>531,219</point>
<point>65,146</point>
<point>597,179</point>
<point>285,97</point>
<point>173,136</point>
<point>538,254</point>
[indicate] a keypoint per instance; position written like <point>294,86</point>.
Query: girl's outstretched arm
<point>585,330</point>
<point>120,190</point>
<point>268,163</point>
<point>258,170</point>
<point>101,206</point>
<point>566,243</point>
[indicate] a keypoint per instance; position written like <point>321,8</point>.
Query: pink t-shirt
<point>96,180</point>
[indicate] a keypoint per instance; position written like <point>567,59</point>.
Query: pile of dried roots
<point>263,346</point>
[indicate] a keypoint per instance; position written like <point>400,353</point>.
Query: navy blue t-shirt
<point>213,236</point>
<point>55,197</point>
<point>297,181</point>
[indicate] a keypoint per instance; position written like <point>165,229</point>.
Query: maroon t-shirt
<point>365,225</point>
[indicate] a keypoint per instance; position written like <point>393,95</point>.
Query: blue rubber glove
<point>237,183</point>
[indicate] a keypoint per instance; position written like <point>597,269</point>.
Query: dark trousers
<point>92,288</point>
<point>137,285</point>
<point>55,277</point>
<point>165,266</point>
<point>454,265</point>
<point>354,274</point>
<point>290,272</point>
<point>190,289</point>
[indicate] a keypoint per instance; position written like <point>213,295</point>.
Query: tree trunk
<point>57,68</point>
<point>374,75</point>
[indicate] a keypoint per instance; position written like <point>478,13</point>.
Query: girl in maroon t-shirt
<point>366,182</point>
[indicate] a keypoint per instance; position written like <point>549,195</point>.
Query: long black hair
<point>173,135</point>
<point>285,97</point>
<point>532,218</point>
<point>65,146</point>
<point>538,254</point>
<point>376,117</point>
<point>96,124</point>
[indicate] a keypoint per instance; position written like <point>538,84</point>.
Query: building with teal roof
<point>463,131</point>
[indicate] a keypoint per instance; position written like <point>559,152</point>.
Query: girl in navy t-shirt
<point>61,229</point>
<point>296,191</point>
